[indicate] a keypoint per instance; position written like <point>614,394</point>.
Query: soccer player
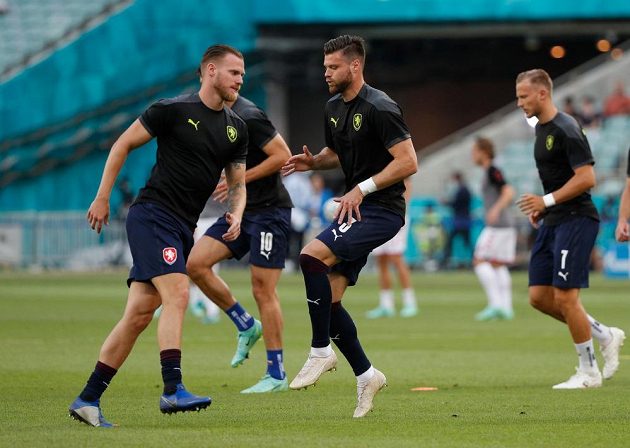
<point>496,245</point>
<point>391,253</point>
<point>367,136</point>
<point>559,262</point>
<point>265,235</point>
<point>622,233</point>
<point>197,137</point>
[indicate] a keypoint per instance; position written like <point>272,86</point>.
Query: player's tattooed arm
<point>236,191</point>
<point>236,197</point>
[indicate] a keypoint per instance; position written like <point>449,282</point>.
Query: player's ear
<point>211,69</point>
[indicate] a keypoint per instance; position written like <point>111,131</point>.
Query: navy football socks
<point>241,318</point>
<point>318,297</point>
<point>171,361</point>
<point>98,382</point>
<point>343,332</point>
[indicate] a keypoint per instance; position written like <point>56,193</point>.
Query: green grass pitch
<point>494,379</point>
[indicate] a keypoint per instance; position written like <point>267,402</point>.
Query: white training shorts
<point>395,246</point>
<point>496,244</point>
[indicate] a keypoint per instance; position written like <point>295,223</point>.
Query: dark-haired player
<point>569,223</point>
<point>197,137</point>
<point>264,234</point>
<point>367,136</point>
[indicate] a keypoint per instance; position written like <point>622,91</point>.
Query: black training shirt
<point>561,147</point>
<point>360,132</point>
<point>194,144</point>
<point>267,191</point>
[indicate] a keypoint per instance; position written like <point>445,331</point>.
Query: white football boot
<point>313,368</point>
<point>610,352</point>
<point>582,380</point>
<point>366,392</point>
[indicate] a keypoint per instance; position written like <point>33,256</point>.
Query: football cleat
<point>582,380</point>
<point>409,311</point>
<point>182,401</point>
<point>313,368</point>
<point>267,384</point>
<point>245,342</point>
<point>380,312</point>
<point>488,313</point>
<point>198,309</point>
<point>366,392</point>
<point>610,352</point>
<point>88,412</point>
<point>505,314</point>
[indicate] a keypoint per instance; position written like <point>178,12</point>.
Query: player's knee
<point>139,321</point>
<point>565,299</point>
<point>308,263</point>
<point>537,301</point>
<point>262,292</point>
<point>194,269</point>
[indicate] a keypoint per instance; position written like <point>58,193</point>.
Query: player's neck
<point>547,114</point>
<point>210,98</point>
<point>353,89</point>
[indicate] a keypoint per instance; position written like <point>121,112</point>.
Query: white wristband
<point>549,200</point>
<point>367,186</point>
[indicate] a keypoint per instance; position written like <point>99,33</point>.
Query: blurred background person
<point>617,103</point>
<point>590,116</point>
<point>301,192</point>
<point>496,245</point>
<point>461,222</point>
<point>392,254</point>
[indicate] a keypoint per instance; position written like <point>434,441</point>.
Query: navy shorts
<point>264,234</point>
<point>159,241</point>
<point>561,254</point>
<point>353,243</point>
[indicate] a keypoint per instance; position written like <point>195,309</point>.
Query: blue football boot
<point>88,412</point>
<point>182,401</point>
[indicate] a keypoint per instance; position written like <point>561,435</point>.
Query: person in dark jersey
<point>197,137</point>
<point>264,234</point>
<point>569,223</point>
<point>622,232</point>
<point>367,136</point>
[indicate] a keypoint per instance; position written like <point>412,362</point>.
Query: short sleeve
<point>328,133</point>
<point>390,126</point>
<point>495,177</point>
<point>156,119</point>
<point>260,129</point>
<point>240,155</point>
<point>578,151</point>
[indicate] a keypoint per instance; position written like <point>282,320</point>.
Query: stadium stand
<point>31,28</point>
<point>109,59</point>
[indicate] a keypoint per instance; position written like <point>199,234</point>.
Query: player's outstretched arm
<point>136,135</point>
<point>237,196</point>
<point>622,233</point>
<point>326,159</point>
